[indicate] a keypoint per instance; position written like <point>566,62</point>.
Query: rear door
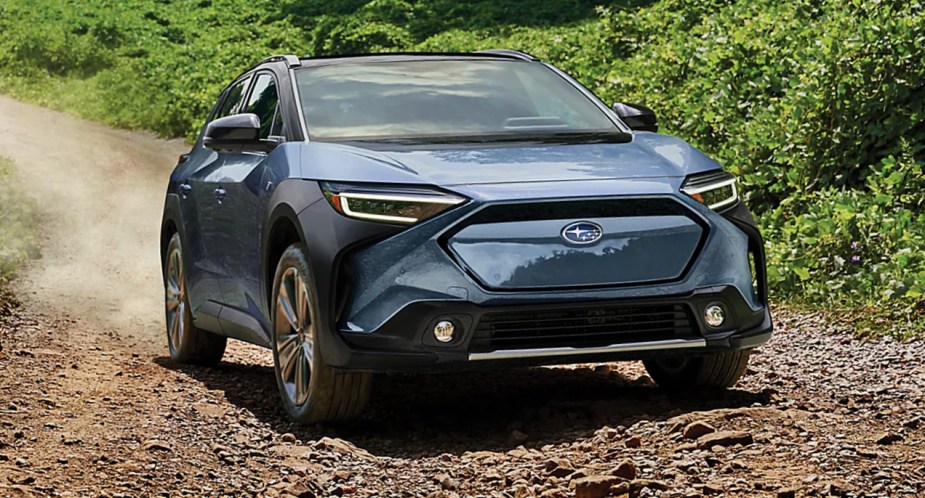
<point>239,220</point>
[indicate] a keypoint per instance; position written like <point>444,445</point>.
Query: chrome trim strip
<point>509,354</point>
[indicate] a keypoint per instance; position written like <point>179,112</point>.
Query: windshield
<point>444,100</point>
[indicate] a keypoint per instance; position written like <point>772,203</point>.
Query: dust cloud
<point>101,194</point>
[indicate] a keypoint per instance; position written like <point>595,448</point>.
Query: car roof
<point>292,61</point>
<point>484,54</point>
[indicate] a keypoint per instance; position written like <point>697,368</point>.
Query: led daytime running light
<point>698,193</point>
<point>386,207</point>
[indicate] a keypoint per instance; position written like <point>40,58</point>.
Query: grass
<point>18,224</point>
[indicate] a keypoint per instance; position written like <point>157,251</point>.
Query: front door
<point>240,217</point>
<point>202,195</point>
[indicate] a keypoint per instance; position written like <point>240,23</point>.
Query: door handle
<point>219,194</point>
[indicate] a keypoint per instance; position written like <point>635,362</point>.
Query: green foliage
<point>796,95</point>
<point>17,224</point>
<point>840,246</point>
<point>154,64</point>
<point>816,104</point>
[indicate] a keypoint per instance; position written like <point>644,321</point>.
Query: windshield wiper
<point>615,136</point>
<point>577,137</point>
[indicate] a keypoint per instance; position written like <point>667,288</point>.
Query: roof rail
<point>290,60</point>
<point>505,52</point>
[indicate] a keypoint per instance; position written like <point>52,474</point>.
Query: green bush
<point>795,95</point>
<point>17,224</point>
<point>152,64</point>
<point>839,246</point>
<point>816,104</point>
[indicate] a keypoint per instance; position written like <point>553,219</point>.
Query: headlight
<point>716,189</point>
<point>386,204</point>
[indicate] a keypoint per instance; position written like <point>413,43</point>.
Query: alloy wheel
<point>294,336</point>
<point>176,298</point>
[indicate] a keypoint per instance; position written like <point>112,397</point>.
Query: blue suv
<point>420,212</point>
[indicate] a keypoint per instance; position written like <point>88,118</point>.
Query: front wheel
<point>311,391</point>
<point>187,343</point>
<point>717,370</point>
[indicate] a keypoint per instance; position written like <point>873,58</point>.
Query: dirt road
<point>91,406</point>
<point>101,192</point>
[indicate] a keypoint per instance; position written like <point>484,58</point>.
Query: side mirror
<point>637,117</point>
<point>236,133</point>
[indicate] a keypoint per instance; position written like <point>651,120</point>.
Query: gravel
<point>819,413</point>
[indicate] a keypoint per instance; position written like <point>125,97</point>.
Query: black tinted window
<point>233,99</point>
<point>262,102</point>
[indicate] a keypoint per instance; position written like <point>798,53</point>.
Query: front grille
<point>584,326</point>
<point>518,246</point>
<point>577,210</point>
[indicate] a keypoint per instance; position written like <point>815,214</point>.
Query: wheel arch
<point>297,207</point>
<point>283,230</point>
<point>171,223</point>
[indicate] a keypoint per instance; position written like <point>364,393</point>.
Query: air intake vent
<point>585,326</point>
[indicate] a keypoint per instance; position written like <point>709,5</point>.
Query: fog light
<point>444,331</point>
<point>714,315</point>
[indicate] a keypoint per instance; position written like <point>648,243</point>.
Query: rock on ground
<point>86,414</point>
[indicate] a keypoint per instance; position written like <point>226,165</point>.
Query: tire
<point>717,370</point>
<point>310,390</point>
<point>187,344</point>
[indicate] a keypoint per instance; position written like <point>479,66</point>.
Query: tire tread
<point>200,347</point>
<point>715,370</point>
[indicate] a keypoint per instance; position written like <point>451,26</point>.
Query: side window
<point>263,102</point>
<point>233,99</point>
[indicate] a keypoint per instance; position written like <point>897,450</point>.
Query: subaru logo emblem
<point>582,232</point>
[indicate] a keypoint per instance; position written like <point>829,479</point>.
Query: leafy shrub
<point>818,106</point>
<point>150,64</point>
<point>796,95</point>
<point>841,246</point>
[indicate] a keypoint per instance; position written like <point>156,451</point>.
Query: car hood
<point>649,155</point>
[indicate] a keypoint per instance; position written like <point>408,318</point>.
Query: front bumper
<point>405,342</point>
<point>401,287</point>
